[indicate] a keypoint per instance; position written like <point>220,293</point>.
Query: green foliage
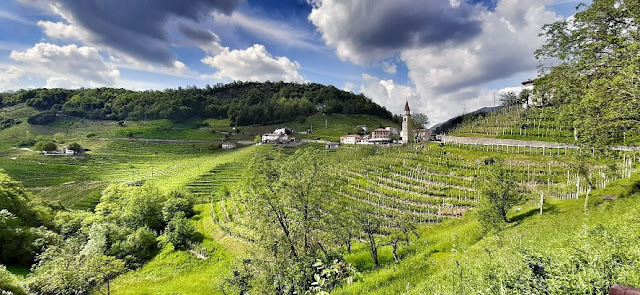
<point>180,232</point>
<point>43,118</point>
<point>8,122</point>
<point>510,98</point>
<point>60,270</point>
<point>419,120</point>
<point>243,103</point>
<point>499,194</point>
<point>329,276</point>
<point>599,50</point>
<point>48,146</point>
<point>133,207</point>
<point>76,147</point>
<point>176,204</point>
<point>10,283</point>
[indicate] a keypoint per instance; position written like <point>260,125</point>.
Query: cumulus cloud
<point>364,30</point>
<point>62,82</point>
<point>389,94</point>
<point>389,67</point>
<point>135,28</point>
<point>10,77</point>
<point>253,64</point>
<point>81,64</point>
<point>449,69</point>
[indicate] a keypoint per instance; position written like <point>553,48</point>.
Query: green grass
<point>457,244</point>
<point>18,270</point>
<point>180,272</point>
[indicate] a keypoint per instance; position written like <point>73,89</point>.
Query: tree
<point>62,270</point>
<point>510,98</point>
<point>597,77</point>
<point>76,147</point>
<point>48,146</point>
<point>419,121</point>
<point>180,232</point>
<point>10,283</point>
<point>289,197</point>
<point>499,194</point>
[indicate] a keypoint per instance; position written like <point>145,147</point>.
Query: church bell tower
<point>406,127</point>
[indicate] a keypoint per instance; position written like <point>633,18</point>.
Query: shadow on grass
<point>547,208</point>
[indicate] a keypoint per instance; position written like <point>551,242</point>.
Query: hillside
<point>242,103</point>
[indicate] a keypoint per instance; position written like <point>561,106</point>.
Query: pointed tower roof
<point>406,106</point>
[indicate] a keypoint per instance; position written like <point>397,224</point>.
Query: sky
<point>445,57</point>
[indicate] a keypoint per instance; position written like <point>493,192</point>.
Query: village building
<point>350,139</point>
<point>228,145</point>
<point>380,135</point>
<point>528,84</point>
<point>423,135</point>
<point>393,131</point>
<point>406,128</point>
<point>274,138</point>
<point>331,145</point>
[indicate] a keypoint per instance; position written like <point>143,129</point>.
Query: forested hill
<point>244,103</point>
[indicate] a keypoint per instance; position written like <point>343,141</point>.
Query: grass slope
<point>443,250</point>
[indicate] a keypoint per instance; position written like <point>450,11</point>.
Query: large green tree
<point>597,71</point>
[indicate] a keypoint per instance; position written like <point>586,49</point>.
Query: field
<point>434,186</point>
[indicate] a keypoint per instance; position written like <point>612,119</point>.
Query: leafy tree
<point>10,283</point>
<point>499,194</point>
<point>75,147</point>
<point>596,79</point>
<point>180,232</point>
<point>48,146</point>
<point>289,198</point>
<point>176,203</point>
<point>61,270</point>
<point>510,98</point>
<point>43,118</point>
<point>419,120</point>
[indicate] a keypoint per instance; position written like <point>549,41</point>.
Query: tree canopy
<point>598,73</point>
<point>243,103</point>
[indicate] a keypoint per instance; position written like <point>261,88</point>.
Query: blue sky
<point>443,56</point>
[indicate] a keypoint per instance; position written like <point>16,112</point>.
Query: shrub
<point>43,118</point>
<point>176,204</point>
<point>9,282</point>
<point>76,147</point>
<point>180,232</point>
<point>45,146</point>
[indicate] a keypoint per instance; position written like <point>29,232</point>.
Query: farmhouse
<point>228,145</point>
<point>350,139</point>
<point>274,138</point>
<point>331,145</point>
<point>380,135</point>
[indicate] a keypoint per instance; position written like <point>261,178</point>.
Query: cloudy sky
<point>443,56</point>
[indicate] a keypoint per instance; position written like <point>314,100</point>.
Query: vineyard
<point>431,183</point>
<point>518,123</point>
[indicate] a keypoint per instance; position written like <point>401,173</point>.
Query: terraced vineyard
<point>208,184</point>
<point>428,184</point>
<point>518,123</point>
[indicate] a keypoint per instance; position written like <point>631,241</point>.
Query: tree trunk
<point>394,244</point>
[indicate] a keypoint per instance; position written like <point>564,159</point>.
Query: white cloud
<point>264,28</point>
<point>59,30</point>
<point>389,94</point>
<point>389,67</point>
<point>81,64</point>
<point>10,77</point>
<point>62,82</point>
<point>447,77</point>
<point>253,64</point>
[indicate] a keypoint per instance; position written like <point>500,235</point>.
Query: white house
<point>274,137</point>
<point>380,135</point>
<point>393,130</point>
<point>350,139</point>
<point>228,145</point>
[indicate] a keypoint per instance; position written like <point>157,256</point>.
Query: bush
<point>499,194</point>
<point>180,232</point>
<point>10,283</point>
<point>45,146</point>
<point>176,204</point>
<point>76,147</point>
<point>43,118</point>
